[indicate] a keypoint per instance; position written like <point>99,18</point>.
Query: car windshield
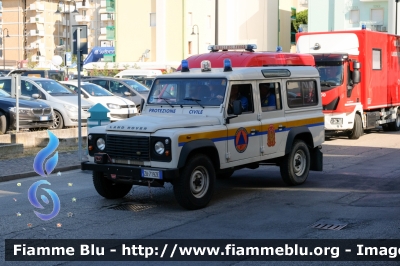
<point>3,93</point>
<point>331,75</point>
<point>137,86</point>
<point>203,92</point>
<point>96,90</point>
<point>54,88</point>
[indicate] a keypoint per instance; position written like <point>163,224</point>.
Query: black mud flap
<point>316,159</point>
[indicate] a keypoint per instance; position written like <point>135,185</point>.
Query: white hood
<point>152,123</point>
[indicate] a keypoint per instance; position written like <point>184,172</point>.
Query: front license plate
<point>44,118</point>
<point>151,174</point>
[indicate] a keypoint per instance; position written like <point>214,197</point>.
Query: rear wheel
<point>295,166</point>
<point>107,188</point>
<point>395,126</point>
<point>357,130</point>
<point>195,186</point>
<point>3,124</point>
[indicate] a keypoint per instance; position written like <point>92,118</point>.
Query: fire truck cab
<point>222,111</point>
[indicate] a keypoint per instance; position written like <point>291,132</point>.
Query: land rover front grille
<point>128,148</point>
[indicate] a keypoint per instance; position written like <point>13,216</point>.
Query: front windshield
<point>137,86</point>
<point>53,87</point>
<point>96,90</point>
<point>331,75</point>
<point>203,92</point>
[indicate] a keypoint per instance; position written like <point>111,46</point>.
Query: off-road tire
<point>3,123</point>
<point>357,130</point>
<point>58,121</point>
<point>107,188</point>
<point>191,195</point>
<point>295,166</point>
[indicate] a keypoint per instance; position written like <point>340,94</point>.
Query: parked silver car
<point>63,101</point>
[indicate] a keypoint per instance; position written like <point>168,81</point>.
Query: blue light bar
<point>185,66</point>
<point>227,65</point>
<point>247,47</point>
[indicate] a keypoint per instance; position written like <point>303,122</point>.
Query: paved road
<point>360,187</point>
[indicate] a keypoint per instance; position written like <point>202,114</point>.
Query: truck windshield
<point>196,91</point>
<point>331,75</point>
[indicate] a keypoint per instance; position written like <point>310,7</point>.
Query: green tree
<point>301,18</point>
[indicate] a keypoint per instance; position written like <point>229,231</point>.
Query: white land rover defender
<point>204,123</point>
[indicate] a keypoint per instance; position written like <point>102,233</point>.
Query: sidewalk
<point>12,169</point>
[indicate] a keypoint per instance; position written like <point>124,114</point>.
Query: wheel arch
<point>302,133</point>
<point>205,146</point>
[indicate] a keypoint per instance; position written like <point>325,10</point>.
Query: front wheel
<point>195,186</point>
<point>295,166</point>
<point>3,123</point>
<point>58,121</point>
<point>109,189</point>
<point>357,130</point>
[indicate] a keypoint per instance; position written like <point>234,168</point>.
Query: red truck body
<point>376,96</point>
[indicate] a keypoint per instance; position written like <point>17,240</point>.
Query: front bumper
<point>130,172</point>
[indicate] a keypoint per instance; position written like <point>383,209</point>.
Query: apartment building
<point>40,29</point>
<point>378,15</point>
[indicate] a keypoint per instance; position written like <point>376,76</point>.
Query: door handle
<point>280,127</point>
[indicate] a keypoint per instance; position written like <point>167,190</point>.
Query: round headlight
<point>159,147</point>
<point>101,144</point>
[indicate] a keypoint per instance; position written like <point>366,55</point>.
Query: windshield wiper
<point>324,83</point>
<point>194,100</point>
<point>160,98</point>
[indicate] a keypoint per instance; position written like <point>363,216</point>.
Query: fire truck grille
<point>128,148</point>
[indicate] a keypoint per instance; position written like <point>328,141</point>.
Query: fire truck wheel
<point>3,123</point>
<point>357,130</point>
<point>107,188</point>
<point>195,186</point>
<point>395,126</point>
<point>295,166</point>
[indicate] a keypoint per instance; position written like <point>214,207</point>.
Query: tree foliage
<point>301,18</point>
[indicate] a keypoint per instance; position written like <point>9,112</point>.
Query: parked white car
<point>63,101</point>
<point>120,108</point>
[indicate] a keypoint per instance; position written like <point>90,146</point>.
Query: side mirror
<point>356,74</point>
<point>127,93</point>
<point>141,104</point>
<point>237,107</point>
<point>35,96</point>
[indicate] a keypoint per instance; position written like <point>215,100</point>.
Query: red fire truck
<point>360,78</point>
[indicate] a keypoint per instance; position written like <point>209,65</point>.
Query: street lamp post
<point>198,44</point>
<point>69,20</point>
<point>4,48</point>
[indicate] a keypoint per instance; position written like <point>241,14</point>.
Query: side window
<point>302,93</point>
<point>5,85</point>
<point>243,93</point>
<point>72,88</point>
<point>102,83</point>
<point>270,96</point>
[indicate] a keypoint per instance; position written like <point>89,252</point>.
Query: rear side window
<point>301,93</point>
<point>5,84</point>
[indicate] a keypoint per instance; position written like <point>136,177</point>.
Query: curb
<point>31,174</point>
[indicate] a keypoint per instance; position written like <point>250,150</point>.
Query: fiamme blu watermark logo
<point>44,168</point>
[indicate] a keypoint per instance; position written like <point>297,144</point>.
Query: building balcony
<point>108,16</point>
<point>103,3</point>
<point>103,31</point>
<point>80,5</point>
<point>303,3</point>
<point>35,45</point>
<point>81,18</point>
<point>36,19</point>
<point>36,58</point>
<point>37,6</point>
<point>37,33</point>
